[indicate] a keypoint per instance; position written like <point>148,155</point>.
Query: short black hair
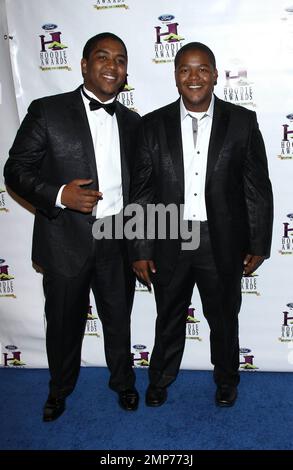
<point>195,46</point>
<point>91,43</point>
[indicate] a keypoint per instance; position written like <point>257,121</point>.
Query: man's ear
<point>83,64</point>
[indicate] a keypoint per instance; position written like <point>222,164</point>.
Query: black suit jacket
<point>52,147</point>
<point>238,191</point>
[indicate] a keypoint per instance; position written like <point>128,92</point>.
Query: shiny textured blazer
<point>238,191</point>
<point>53,147</point>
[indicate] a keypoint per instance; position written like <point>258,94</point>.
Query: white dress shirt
<point>195,160</point>
<point>105,135</point>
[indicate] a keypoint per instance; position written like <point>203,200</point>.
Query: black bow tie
<point>94,104</point>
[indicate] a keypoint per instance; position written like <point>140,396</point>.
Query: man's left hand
<point>251,263</point>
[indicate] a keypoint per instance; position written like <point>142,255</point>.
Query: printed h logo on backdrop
<point>288,316</point>
<point>286,132</point>
<point>287,237</point>
<point>13,357</point>
<point>287,325</point>
<point>286,152</point>
<point>13,360</point>
<point>287,229</point>
<point>55,41</point>
<point>171,33</point>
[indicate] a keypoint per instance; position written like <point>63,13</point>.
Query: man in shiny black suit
<point>207,155</point>
<point>72,158</point>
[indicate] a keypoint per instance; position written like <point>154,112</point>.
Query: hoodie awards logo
<point>140,357</point>
<point>92,324</point>
<point>53,52</point>
<point>6,281</point>
<point>287,238</point>
<point>286,335</point>
<point>106,4</point>
<point>192,325</point>
<point>12,356</point>
<point>168,41</point>
<point>3,207</point>
<point>249,284</point>
<point>126,97</point>
<point>286,152</point>
<point>238,89</point>
<point>247,360</point>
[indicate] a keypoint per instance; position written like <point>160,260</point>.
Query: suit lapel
<point>218,133</point>
<point>172,124</point>
<point>125,172</point>
<point>82,127</point>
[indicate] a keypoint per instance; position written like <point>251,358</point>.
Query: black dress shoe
<point>155,396</point>
<point>53,408</point>
<point>128,399</point>
<point>226,395</point>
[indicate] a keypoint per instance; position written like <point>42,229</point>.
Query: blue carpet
<point>260,420</point>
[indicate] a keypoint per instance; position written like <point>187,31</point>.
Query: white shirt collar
<point>184,112</point>
<point>91,95</point>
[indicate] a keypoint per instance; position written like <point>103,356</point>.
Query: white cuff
<point>58,202</point>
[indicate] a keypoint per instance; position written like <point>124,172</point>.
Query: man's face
<point>195,78</point>
<point>105,71</point>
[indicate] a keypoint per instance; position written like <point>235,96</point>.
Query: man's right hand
<point>142,269</point>
<point>74,196</point>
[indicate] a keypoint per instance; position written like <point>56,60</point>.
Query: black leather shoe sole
<point>54,407</point>
<point>155,396</point>
<point>128,399</point>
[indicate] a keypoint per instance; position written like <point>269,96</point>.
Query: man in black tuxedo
<point>209,156</point>
<point>72,158</point>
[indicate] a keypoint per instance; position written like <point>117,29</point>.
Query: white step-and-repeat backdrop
<point>41,47</point>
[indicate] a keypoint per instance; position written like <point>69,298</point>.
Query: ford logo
<point>244,350</point>
<point>166,17</point>
<point>49,26</point>
<point>290,116</point>
<point>2,261</point>
<point>290,216</point>
<point>290,305</point>
<point>10,347</point>
<point>139,347</point>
